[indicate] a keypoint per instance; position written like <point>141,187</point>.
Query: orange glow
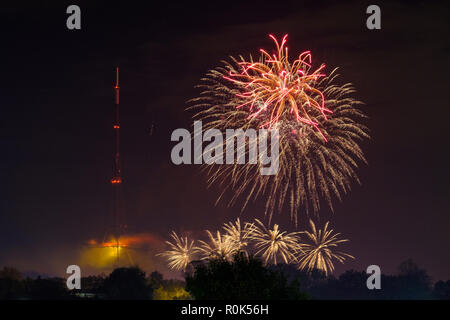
<point>116,126</point>
<point>124,241</point>
<point>93,242</point>
<point>116,180</point>
<point>110,252</point>
<point>114,244</point>
<point>131,240</point>
<point>139,239</point>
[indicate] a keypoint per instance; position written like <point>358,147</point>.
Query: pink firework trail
<point>275,86</point>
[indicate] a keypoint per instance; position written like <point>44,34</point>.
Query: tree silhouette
<point>10,283</point>
<point>47,289</point>
<point>412,282</point>
<point>155,280</point>
<point>243,279</point>
<point>127,284</point>
<point>441,290</point>
<point>92,284</point>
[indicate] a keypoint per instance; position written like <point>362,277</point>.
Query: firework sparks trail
<point>273,84</point>
<point>238,235</point>
<point>318,122</point>
<point>181,252</point>
<point>319,253</point>
<point>219,247</point>
<point>274,243</point>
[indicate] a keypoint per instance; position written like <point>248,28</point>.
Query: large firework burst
<point>238,234</point>
<point>219,247</point>
<point>273,244</point>
<point>274,86</point>
<point>318,123</point>
<point>319,253</point>
<point>181,252</point>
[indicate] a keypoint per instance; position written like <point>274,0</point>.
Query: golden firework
<point>318,122</point>
<point>238,235</point>
<point>219,247</point>
<point>273,244</point>
<point>319,253</point>
<point>181,252</point>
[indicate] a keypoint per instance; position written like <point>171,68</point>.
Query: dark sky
<point>56,114</point>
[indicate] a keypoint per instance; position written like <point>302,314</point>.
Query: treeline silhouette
<point>243,278</point>
<point>123,283</point>
<point>410,283</point>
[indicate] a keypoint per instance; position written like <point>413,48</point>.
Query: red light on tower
<point>116,180</point>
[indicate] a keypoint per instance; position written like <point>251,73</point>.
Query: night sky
<point>56,89</point>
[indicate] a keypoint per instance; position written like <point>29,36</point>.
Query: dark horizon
<point>57,90</point>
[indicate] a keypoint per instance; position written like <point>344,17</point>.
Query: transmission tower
<point>117,224</point>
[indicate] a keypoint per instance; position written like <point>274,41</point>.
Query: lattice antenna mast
<point>116,180</point>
